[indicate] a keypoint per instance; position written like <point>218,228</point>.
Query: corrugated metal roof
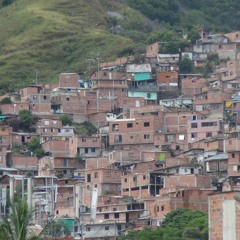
<point>138,68</point>
<point>222,156</point>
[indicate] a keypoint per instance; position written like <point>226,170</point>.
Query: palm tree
<point>15,225</point>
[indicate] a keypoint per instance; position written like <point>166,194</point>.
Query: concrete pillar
<point>29,193</point>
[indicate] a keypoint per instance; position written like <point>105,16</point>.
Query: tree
<point>80,158</point>
<point>15,225</point>
<point>210,64</point>
<point>164,36</point>
<point>185,65</point>
<point>6,2</point>
<point>193,36</point>
<point>66,120</point>
<point>26,119</point>
<point>6,100</point>
<point>180,224</point>
<point>35,147</point>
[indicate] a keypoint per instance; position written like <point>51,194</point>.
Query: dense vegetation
<point>215,15</point>
<point>40,39</point>
<point>180,224</point>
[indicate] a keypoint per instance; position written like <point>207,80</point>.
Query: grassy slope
<point>55,36</point>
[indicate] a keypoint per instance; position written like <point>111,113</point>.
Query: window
<point>94,139</point>
<point>88,229</point>
<point>134,179</point>
<point>93,150</point>
<point>44,97</point>
<point>208,134</point>
<point>84,139</point>
<point>108,174</point>
<point>86,150</point>
<point>129,125</point>
<point>170,138</point>
<point>106,228</point>
<point>144,177</point>
<point>146,136</point>
<point>162,207</point>
<point>193,135</point>
<point>181,137</point>
<point>106,216</point>
<point>114,209</point>
<point>194,125</point>
<point>89,178</point>
<point>96,175</point>
<point>233,155</point>
<point>68,99</point>
<point>116,215</point>
<point>209,124</point>
<point>105,74</point>
<point>117,138</point>
<point>95,185</point>
<point>115,127</point>
<point>215,106</point>
<point>238,168</point>
<point>146,124</point>
<point>65,162</point>
<point>125,179</point>
<point>64,171</point>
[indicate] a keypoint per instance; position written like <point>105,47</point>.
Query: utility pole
<point>115,230</point>
<point>82,210</point>
<point>36,77</point>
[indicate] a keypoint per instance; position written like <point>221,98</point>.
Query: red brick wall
<point>13,108</point>
<point>201,181</point>
<point>97,162</point>
<point>69,80</point>
<point>168,77</point>
<point>216,215</point>
<point>191,86</point>
<point>24,161</point>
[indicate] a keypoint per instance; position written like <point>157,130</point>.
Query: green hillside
<point>59,35</point>
<point>52,36</point>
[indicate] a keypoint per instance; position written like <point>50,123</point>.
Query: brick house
<point>223,215</point>
<point>190,86</point>
<point>133,131</point>
<point>48,126</point>
<point>108,181</point>
<point>191,198</point>
<point>14,108</point>
<point>110,83</point>
<point>152,51</point>
<point>204,128</point>
<point>69,80</point>
<point>168,80</point>
<point>217,165</point>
